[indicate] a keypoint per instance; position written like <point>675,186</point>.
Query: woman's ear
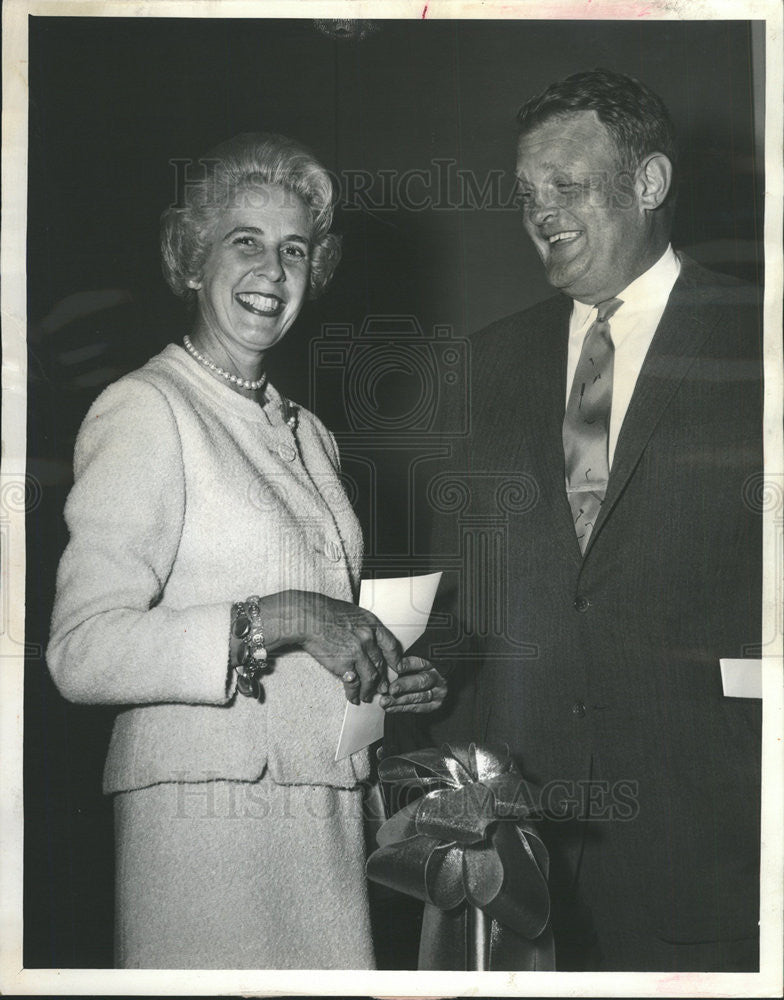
<point>654,177</point>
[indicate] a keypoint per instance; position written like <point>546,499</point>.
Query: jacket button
<point>582,603</point>
<point>287,452</point>
<point>578,709</point>
<point>333,551</point>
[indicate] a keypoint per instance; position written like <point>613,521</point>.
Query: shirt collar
<point>647,292</point>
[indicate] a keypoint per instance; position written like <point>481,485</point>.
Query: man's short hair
<point>635,117</point>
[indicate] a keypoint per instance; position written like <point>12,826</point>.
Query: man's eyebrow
<point>552,164</point>
<point>543,165</point>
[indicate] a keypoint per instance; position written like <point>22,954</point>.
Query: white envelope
<point>403,604</point>
<point>741,678</point>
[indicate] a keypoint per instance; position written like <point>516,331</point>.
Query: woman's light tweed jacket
<point>189,496</point>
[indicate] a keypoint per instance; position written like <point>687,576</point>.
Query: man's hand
<point>418,688</point>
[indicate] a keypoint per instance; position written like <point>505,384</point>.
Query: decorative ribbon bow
<point>467,838</point>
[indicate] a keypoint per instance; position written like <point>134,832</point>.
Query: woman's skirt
<point>237,875</point>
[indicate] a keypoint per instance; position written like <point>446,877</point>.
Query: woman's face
<point>256,276</point>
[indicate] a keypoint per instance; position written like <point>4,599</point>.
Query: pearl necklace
<point>242,383</point>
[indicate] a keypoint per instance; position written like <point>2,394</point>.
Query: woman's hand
<point>419,688</point>
<point>349,641</point>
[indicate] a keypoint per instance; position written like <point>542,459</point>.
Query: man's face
<point>582,213</point>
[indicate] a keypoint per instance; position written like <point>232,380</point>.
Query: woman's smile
<point>260,304</point>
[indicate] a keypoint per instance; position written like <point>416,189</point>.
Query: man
<point>629,408</point>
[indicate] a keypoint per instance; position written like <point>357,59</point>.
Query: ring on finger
<point>349,677</point>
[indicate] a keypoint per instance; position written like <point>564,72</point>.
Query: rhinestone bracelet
<point>251,653</point>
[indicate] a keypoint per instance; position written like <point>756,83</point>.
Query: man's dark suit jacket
<point>612,697</point>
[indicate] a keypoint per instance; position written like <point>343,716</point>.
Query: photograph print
<point>316,304</point>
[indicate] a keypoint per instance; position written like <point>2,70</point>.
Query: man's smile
<point>564,237</point>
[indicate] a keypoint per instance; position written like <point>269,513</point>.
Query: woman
<point>208,588</point>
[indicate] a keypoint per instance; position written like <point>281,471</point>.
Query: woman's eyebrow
<point>257,231</point>
<point>244,229</point>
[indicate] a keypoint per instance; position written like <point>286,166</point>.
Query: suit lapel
<point>542,416</point>
<point>684,327</point>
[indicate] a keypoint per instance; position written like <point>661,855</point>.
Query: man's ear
<point>653,179</point>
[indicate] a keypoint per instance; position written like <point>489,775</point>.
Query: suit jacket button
<point>582,603</point>
<point>578,709</point>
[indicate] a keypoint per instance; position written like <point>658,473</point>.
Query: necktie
<point>587,422</point>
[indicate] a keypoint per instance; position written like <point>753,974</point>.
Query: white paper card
<point>741,678</point>
<point>403,604</point>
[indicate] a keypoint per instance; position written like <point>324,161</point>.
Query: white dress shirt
<point>632,329</point>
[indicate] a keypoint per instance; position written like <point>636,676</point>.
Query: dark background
<point>112,101</point>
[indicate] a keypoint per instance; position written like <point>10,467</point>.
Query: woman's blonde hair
<point>247,160</point>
